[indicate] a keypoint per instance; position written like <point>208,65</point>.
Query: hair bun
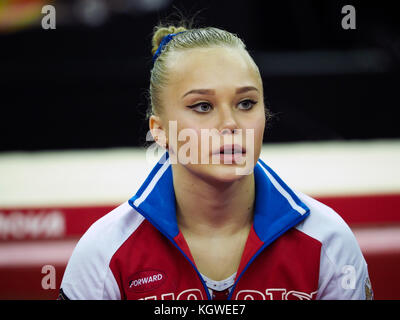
<point>160,32</point>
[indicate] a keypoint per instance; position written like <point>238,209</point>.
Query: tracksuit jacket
<point>298,248</point>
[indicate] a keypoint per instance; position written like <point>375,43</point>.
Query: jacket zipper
<point>266,244</point>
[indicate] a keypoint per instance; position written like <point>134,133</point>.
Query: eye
<point>201,107</point>
<point>247,104</point>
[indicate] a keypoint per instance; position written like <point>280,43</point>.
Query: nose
<point>228,124</point>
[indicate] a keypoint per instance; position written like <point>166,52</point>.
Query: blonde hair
<point>192,38</point>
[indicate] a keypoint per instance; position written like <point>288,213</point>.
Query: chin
<point>220,173</point>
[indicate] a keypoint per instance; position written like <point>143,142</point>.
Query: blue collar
<point>277,207</point>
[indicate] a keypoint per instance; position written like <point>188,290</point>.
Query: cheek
<point>259,129</point>
<point>184,137</point>
<point>254,139</point>
<point>257,124</point>
<point>259,136</point>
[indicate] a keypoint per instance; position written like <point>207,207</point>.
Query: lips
<point>230,149</point>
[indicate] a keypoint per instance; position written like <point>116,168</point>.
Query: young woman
<point>213,221</point>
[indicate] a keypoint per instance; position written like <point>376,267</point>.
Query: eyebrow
<point>211,91</point>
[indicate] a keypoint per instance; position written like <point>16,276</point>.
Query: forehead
<point>212,67</point>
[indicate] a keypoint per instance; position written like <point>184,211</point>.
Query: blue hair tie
<point>163,43</point>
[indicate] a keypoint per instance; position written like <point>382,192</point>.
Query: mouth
<point>230,149</point>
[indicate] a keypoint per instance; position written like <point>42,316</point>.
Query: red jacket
<point>298,248</point>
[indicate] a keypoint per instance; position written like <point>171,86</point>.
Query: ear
<point>157,131</point>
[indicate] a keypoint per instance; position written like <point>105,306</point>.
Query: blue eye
<point>204,107</point>
<point>247,104</point>
<point>201,107</point>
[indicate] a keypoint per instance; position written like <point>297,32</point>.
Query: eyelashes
<point>199,107</point>
<point>205,107</point>
<point>252,103</point>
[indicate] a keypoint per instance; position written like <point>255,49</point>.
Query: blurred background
<point>72,128</point>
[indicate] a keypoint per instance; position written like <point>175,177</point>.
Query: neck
<point>210,207</point>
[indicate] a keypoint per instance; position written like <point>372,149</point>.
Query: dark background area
<point>84,84</point>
